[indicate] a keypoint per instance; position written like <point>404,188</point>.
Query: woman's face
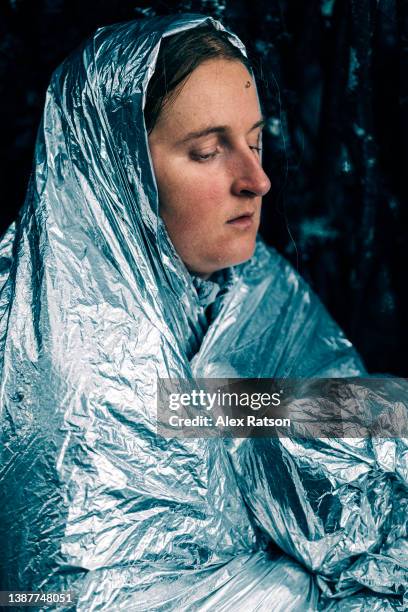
<point>206,158</point>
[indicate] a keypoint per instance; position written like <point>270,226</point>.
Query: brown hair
<point>179,55</point>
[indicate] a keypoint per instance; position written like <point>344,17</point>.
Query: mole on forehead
<point>248,84</point>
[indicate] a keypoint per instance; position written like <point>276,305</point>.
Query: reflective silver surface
<point>95,305</point>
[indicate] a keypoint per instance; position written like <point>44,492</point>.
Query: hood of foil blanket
<point>95,305</point>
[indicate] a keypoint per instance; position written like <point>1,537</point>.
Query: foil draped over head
<point>93,155</point>
<point>95,307</point>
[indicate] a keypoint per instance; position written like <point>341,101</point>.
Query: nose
<point>249,176</point>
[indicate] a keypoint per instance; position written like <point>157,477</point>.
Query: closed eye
<point>201,157</point>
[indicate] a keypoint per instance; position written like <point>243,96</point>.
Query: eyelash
<point>203,158</point>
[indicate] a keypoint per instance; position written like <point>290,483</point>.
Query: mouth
<point>242,221</point>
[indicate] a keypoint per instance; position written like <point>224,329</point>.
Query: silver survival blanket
<point>95,305</point>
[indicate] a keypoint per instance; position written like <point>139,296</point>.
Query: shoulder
<point>267,266</point>
<point>290,314</point>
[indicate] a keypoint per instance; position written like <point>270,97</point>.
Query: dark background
<point>333,75</point>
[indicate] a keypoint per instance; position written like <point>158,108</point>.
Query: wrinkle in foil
<point>95,305</point>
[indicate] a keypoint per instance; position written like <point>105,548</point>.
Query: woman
<point>135,257</point>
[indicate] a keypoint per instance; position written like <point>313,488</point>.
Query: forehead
<point>218,91</point>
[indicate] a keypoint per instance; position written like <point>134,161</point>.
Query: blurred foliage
<point>333,79</point>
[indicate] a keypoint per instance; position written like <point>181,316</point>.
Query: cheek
<point>192,197</point>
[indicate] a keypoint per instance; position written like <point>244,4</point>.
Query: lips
<point>242,221</point>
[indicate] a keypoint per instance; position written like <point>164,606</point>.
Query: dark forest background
<point>333,76</point>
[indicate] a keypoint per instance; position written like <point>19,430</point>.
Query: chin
<point>220,261</point>
<point>245,253</point>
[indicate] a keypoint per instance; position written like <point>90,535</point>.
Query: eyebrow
<point>218,129</point>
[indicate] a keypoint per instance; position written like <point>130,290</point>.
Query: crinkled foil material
<point>95,305</point>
